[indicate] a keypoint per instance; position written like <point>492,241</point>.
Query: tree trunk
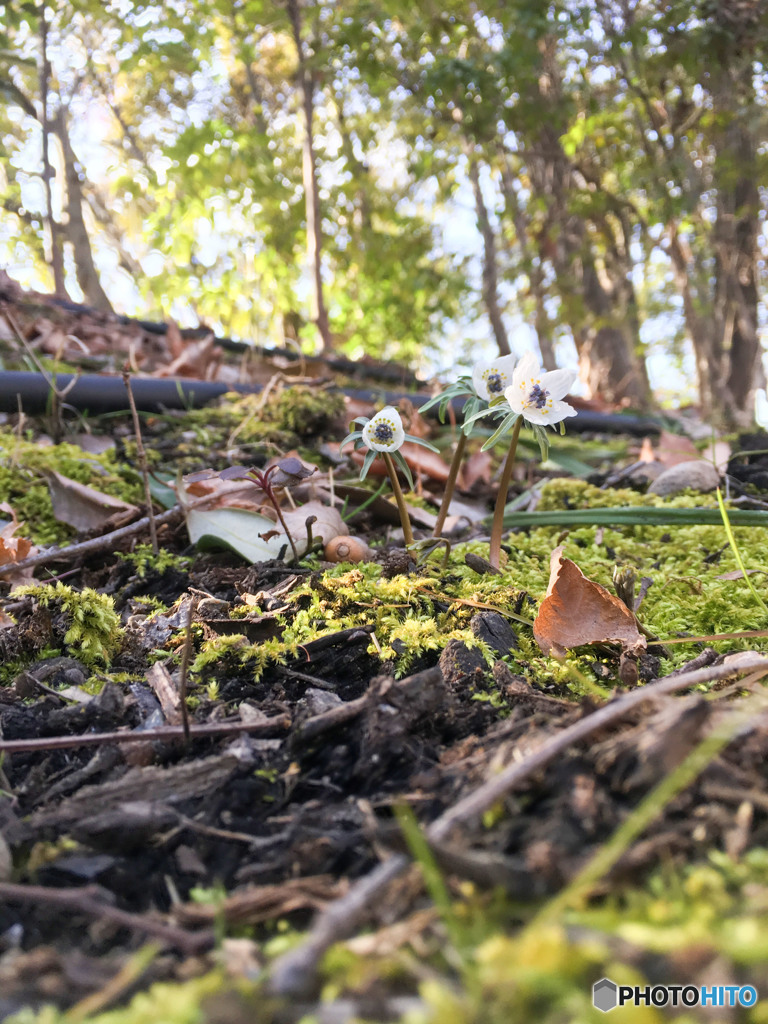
<point>309,177</point>
<point>720,305</point>
<point>736,296</point>
<point>54,228</point>
<point>596,293</point>
<point>75,229</point>
<point>490,261</point>
<point>532,266</point>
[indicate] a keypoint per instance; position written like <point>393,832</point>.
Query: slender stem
<point>143,465</point>
<point>450,483</point>
<point>262,479</point>
<point>501,499</point>
<point>283,523</point>
<point>397,491</point>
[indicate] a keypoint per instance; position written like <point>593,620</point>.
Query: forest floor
<point>384,801</point>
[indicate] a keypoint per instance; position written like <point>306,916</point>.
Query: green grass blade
<point>726,516</point>
<point>433,878</point>
<point>635,515</point>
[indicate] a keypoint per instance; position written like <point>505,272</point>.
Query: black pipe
<point>92,393</point>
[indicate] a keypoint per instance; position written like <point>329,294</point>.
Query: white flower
<point>536,395</point>
<point>491,379</point>
<point>384,433</point>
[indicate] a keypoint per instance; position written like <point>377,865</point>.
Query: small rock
<point>319,701</point>
<point>696,475</point>
<point>460,663</point>
<point>646,472</point>
<point>495,631</point>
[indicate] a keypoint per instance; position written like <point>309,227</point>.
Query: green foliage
<point>94,634</point>
<point>304,411</point>
<point>235,652</point>
<point>143,559</point>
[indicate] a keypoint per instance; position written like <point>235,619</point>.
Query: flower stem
<point>450,483</point>
<point>397,491</point>
<point>501,499</point>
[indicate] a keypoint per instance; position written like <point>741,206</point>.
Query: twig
<point>184,670</point>
<point>276,724</point>
<point>87,901</point>
<point>293,973</point>
<point>142,456</point>
<point>86,547</point>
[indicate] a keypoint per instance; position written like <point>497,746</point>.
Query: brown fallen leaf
<point>672,449</point>
<point>477,468</point>
<point>421,460</point>
<point>737,574</point>
<point>84,507</point>
<point>208,490</point>
<point>577,611</point>
<point>14,550</point>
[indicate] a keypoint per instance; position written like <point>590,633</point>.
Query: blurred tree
<point>287,170</point>
<point>694,78</point>
<point>41,102</point>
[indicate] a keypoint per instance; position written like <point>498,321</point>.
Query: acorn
<point>347,549</point>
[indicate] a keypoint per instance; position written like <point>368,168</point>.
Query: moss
<point>290,414</point>
<point>93,634</point>
<point>236,652</point>
<point>23,465</point>
<point>143,559</point>
<point>304,411</point>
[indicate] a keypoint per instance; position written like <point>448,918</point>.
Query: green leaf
<point>370,455</point>
<point>504,428</point>
<point>635,515</point>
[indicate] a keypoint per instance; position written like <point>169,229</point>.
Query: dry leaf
<point>420,460</point>
<point>198,359</point>
<point>84,507</point>
<point>14,549</point>
<point>477,468</point>
<point>209,490</point>
<point>737,574</point>
<point>328,523</point>
<point>577,611</point>
<point>672,449</point>
<point>718,453</point>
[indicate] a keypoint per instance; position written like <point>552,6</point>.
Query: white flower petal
<point>528,366</point>
<point>558,382</point>
<point>497,373</point>
<point>549,416</point>
<point>384,432</point>
<point>536,395</point>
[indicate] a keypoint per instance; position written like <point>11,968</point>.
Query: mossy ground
<point>499,970</point>
<point>23,465</point>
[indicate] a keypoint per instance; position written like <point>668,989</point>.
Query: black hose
<point>95,394</point>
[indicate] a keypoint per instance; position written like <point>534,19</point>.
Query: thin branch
<point>89,901</point>
<point>87,547</point>
<point>166,733</point>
